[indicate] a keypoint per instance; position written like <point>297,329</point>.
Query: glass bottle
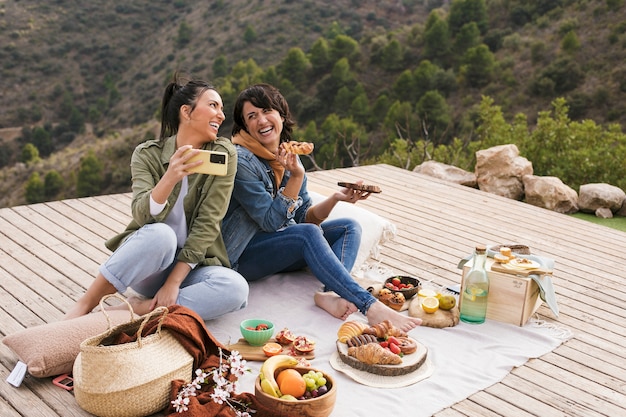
<point>475,289</point>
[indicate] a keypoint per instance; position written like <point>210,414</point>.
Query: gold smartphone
<point>214,162</point>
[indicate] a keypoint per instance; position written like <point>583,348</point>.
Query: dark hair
<point>177,94</point>
<point>263,96</point>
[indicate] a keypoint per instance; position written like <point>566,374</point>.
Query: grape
<point>322,390</point>
<point>321,381</point>
<point>314,393</point>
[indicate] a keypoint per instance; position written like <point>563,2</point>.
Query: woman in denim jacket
<point>172,252</point>
<point>272,226</point>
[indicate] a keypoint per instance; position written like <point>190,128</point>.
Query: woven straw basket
<point>130,379</point>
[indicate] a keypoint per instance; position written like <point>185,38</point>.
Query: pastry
<point>500,258</point>
<point>385,295</point>
<point>506,251</point>
<point>299,148</point>
<point>384,329</point>
<point>350,329</point>
<point>407,345</point>
<point>361,340</point>
<point>396,301</point>
<point>374,354</point>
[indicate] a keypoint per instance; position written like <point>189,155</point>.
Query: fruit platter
<point>285,342</point>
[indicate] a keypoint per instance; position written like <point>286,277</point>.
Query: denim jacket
<point>257,206</point>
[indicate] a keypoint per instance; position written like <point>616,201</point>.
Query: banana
<point>268,383</point>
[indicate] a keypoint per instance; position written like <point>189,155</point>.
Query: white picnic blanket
<point>465,359</point>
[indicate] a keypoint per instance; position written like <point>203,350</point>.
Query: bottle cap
<point>481,248</point>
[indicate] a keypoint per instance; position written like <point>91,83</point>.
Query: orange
<point>271,349</point>
<point>291,382</point>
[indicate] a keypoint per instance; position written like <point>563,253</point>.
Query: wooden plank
<point>66,230</point>
<point>536,400</point>
<point>583,392</point>
<point>484,402</point>
<point>38,246</point>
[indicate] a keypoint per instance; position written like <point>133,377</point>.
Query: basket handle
<point>159,310</point>
<point>119,297</point>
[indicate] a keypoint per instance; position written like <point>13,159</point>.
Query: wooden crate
<point>512,298</point>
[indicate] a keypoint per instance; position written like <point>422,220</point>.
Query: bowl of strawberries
<point>405,285</point>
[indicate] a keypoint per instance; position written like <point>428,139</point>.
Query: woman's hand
<point>166,296</point>
<point>350,195</point>
<point>290,161</point>
<point>178,167</point>
<point>176,171</point>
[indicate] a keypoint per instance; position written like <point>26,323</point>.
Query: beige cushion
<point>376,230</point>
<point>50,349</point>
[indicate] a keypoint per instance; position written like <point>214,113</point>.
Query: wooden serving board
<point>519,271</point>
<point>255,353</point>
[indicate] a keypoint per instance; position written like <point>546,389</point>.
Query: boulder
<point>499,170</point>
<point>604,213</point>
<point>591,197</point>
<point>550,193</point>
<point>447,172</point>
<point>622,211</point>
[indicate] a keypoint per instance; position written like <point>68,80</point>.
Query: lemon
<point>427,292</point>
<point>447,302</point>
<point>430,304</point>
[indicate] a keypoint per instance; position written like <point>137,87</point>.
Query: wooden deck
<point>50,252</point>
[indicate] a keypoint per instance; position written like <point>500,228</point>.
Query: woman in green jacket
<point>172,251</point>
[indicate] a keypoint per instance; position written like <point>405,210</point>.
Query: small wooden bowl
<point>321,406</point>
<point>408,293</point>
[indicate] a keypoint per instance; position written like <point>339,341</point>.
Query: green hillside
<point>79,78</point>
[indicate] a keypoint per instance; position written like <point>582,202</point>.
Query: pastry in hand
<point>374,354</point>
<point>299,148</point>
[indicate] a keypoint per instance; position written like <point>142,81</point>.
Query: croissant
<point>350,329</point>
<point>374,354</point>
<point>384,329</point>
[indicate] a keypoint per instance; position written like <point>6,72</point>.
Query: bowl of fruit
<point>290,389</point>
<point>256,331</point>
<point>405,285</point>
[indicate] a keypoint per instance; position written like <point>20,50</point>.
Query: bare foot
<point>378,312</point>
<point>140,306</point>
<point>79,309</point>
<point>333,304</point>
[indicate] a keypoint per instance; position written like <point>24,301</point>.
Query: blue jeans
<point>145,259</point>
<point>329,251</point>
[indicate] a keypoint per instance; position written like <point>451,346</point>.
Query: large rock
<point>499,170</point>
<point>550,193</point>
<point>591,197</point>
<point>447,172</point>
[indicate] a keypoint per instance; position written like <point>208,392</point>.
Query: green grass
<point>617,223</point>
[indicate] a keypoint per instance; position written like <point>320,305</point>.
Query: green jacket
<point>205,204</point>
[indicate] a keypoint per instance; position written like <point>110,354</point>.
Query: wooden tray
<point>519,271</point>
<point>255,353</point>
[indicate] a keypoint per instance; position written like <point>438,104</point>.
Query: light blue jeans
<point>144,260</point>
<point>329,251</point>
